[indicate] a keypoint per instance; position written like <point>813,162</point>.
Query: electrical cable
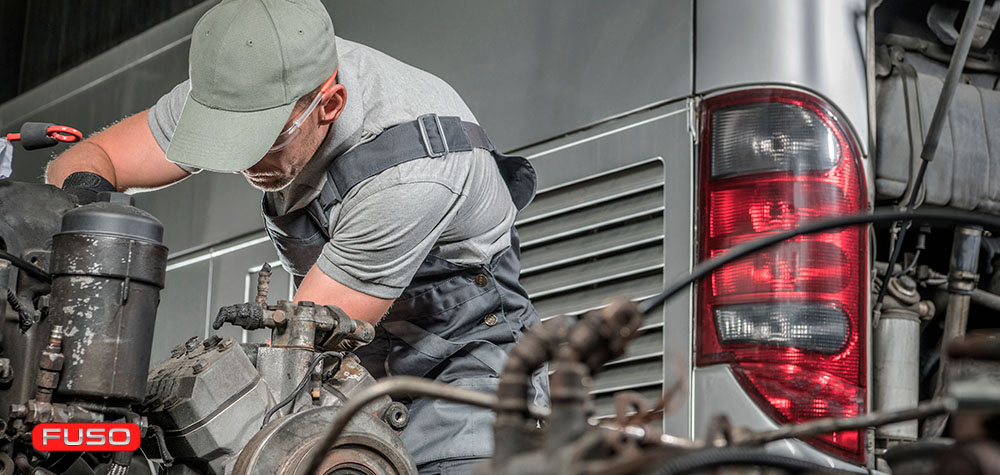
<point>302,384</point>
<point>29,269</point>
<point>933,137</point>
<point>880,215</point>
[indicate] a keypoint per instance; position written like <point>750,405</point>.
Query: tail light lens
<point>789,320</point>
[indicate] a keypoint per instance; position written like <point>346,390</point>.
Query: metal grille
<point>585,241</point>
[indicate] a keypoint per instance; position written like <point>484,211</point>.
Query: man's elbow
<point>85,156</point>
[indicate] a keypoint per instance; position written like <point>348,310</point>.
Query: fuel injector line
<point>933,137</point>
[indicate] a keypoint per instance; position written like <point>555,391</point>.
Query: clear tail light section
<point>791,320</point>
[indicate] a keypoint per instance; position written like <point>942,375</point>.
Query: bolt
<point>18,411</point>
<point>191,344</point>
<point>226,344</point>
<point>279,317</point>
<point>211,341</point>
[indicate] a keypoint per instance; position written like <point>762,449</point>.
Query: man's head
<point>302,135</point>
<point>255,67</point>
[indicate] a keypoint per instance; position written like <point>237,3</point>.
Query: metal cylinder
<point>108,267</point>
<point>896,370</point>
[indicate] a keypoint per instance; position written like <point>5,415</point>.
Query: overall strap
<point>430,136</point>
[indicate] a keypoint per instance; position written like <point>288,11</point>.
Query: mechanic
<point>381,195</point>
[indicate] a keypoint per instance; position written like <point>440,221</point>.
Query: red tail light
<point>790,320</point>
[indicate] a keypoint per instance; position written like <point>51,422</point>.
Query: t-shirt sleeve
<point>163,117</point>
<point>378,244</point>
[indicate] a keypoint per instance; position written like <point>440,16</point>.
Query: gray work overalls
<point>454,324</point>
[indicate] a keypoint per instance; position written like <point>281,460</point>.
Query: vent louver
<point>585,241</point>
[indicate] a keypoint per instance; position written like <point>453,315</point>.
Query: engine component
<point>209,400</point>
<point>897,340</point>
<point>299,325</point>
<point>108,267</point>
<point>963,276</point>
<point>29,216</point>
<point>366,447</point>
<point>50,364</point>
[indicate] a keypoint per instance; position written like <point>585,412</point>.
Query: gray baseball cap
<point>250,61</point>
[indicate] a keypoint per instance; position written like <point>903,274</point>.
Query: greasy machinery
<point>82,285</point>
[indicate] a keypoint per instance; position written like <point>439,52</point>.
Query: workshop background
<point>594,94</point>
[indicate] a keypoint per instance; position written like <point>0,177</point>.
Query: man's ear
<point>330,109</point>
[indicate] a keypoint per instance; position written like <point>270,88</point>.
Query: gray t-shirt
<point>456,207</point>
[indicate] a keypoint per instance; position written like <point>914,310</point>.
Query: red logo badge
<point>84,437</point>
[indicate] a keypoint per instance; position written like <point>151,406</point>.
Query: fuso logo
<point>83,437</point>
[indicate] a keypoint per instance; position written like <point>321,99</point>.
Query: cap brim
<point>225,141</point>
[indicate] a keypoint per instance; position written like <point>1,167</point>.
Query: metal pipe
<point>831,424</point>
<point>404,386</point>
<point>962,278</point>
<point>896,369</point>
<point>981,297</point>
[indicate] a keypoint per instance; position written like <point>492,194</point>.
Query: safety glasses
<point>288,135</point>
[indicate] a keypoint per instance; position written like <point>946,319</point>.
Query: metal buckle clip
<point>427,143</point>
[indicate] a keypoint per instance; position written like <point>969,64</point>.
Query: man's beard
<point>270,183</point>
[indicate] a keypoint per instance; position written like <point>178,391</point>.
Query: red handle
<point>58,132</point>
<point>63,133</point>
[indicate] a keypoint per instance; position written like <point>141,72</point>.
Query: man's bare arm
<point>126,154</point>
<point>320,289</point>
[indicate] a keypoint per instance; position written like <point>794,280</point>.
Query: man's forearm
<point>83,157</point>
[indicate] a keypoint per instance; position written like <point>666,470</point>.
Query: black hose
<point>724,456</point>
<point>302,384</point>
<point>933,137</point>
<point>878,216</point>
<point>29,269</point>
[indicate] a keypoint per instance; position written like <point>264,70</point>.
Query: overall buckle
<point>427,142</point>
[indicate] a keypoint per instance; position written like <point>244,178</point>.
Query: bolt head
<point>279,317</point>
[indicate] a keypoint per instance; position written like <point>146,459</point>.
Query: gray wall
<point>530,71</point>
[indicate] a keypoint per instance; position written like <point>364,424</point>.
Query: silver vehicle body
<point>601,96</point>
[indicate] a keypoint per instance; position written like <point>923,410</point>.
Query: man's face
<point>276,170</point>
